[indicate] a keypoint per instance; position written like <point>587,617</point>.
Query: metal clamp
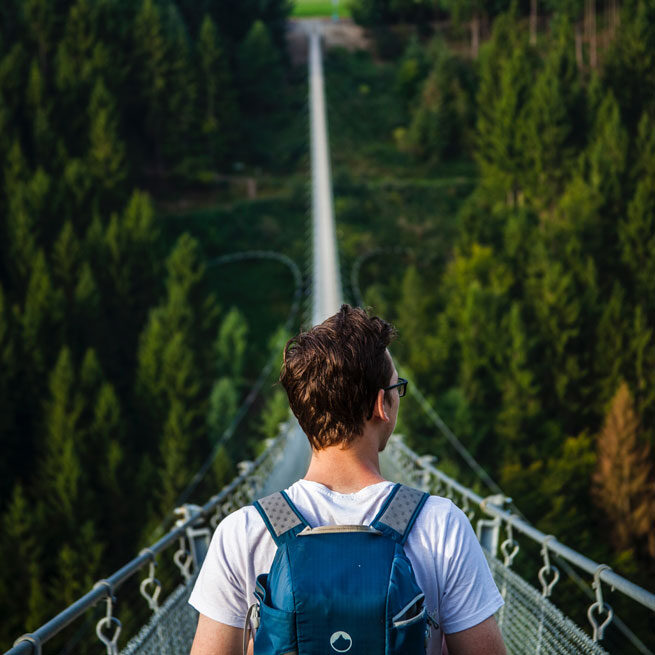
<point>111,643</point>
<point>509,547</point>
<point>600,606</point>
<point>32,639</point>
<point>151,598</point>
<point>547,569</point>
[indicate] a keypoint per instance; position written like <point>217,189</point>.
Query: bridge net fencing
<point>530,623</point>
<point>170,630</point>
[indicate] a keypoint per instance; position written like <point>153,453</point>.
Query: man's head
<point>333,374</point>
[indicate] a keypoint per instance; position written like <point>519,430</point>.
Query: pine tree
<point>520,416</point>
<point>61,468</point>
<point>25,195</point>
<point>41,317</point>
<point>630,61</point>
<point>39,21</point>
<point>624,480</point>
<point>181,92</point>
<point>231,346</point>
<point>81,58</point>
<point>414,319</point>
<point>66,256</point>
<point>21,551</point>
<point>506,77</point>
<point>551,126</point>
<point>611,357</point>
<point>106,157</point>
<point>216,93</point>
<point>606,156</point>
<point>260,80</point>
<point>11,438</point>
<point>442,119</point>
<point>642,358</point>
<point>40,110</point>
<point>223,402</point>
<point>150,53</point>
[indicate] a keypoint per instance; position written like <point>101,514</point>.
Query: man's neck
<point>347,470</point>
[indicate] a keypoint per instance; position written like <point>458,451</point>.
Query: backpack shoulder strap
<point>281,517</point>
<point>399,512</point>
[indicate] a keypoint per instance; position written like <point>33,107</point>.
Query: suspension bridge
<point>530,621</point>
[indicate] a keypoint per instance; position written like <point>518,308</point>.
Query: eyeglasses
<point>401,385</point>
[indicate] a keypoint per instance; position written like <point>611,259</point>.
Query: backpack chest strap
<point>281,517</point>
<point>399,512</point>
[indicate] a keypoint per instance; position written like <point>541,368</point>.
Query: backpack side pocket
<point>409,635</point>
<point>277,632</point>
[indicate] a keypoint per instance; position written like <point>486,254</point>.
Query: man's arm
<point>214,638</point>
<point>481,639</point>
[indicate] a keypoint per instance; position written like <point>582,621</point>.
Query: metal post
<point>198,537</point>
<point>488,531</point>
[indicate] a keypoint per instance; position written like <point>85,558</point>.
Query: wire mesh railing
<point>528,614</point>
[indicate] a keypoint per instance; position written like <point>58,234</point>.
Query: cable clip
<point>111,643</point>
<point>600,606</point>
<point>547,569</point>
<point>509,547</point>
<point>151,598</point>
<point>183,560</point>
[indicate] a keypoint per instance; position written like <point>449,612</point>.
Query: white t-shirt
<point>446,556</point>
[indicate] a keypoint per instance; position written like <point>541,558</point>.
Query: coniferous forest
<point>513,207</point>
<point>494,179</point>
<point>119,364</point>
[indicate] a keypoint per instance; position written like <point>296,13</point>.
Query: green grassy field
<point>314,8</point>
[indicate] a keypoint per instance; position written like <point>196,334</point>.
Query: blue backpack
<point>340,588</point>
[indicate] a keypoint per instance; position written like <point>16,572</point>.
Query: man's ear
<point>378,408</point>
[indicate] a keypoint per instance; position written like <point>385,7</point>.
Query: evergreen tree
<point>611,358</point>
<point>25,196</point>
<point>606,157</point>
<point>81,57</point>
<point>231,346</point>
<point>506,78</point>
<point>624,480</point>
<point>260,81</point>
<point>61,468</point>
<point>38,20</point>
<point>40,319</point>
<point>106,156</point>
<point>216,95</point>
<point>442,119</point>
<point>223,402</point>
<point>520,418</point>
<point>127,270</point>
<point>40,109</point>
<point>414,320</point>
<point>11,438</point>
<point>152,69</point>
<point>551,124</point>
<point>20,578</point>
<point>630,61</point>
<point>66,259</point>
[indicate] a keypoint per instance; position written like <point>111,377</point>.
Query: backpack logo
<point>341,642</point>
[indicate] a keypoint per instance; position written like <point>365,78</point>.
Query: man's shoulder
<point>241,520</point>
<point>443,516</point>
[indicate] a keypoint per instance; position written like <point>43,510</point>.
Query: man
<point>345,391</point>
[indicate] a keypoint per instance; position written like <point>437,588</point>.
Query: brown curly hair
<point>333,372</point>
